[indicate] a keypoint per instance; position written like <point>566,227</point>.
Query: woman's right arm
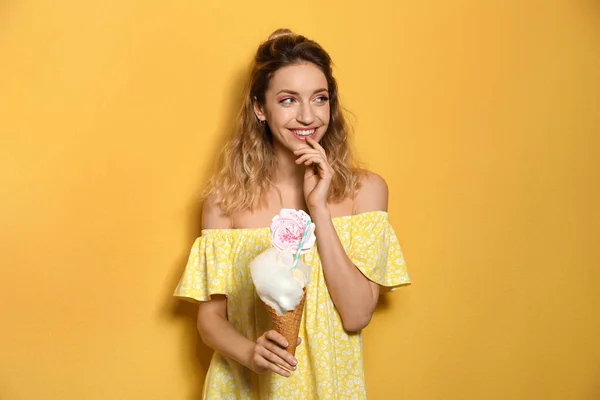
<point>268,353</point>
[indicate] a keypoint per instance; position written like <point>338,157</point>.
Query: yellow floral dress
<point>330,360</point>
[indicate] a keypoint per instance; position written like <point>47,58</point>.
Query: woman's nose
<point>306,114</point>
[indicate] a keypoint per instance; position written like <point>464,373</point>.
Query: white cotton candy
<point>272,276</point>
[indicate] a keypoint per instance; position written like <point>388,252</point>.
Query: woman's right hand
<point>270,355</point>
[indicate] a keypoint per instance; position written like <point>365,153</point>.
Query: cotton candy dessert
<point>280,277</point>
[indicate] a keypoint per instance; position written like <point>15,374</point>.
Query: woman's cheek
<point>325,115</point>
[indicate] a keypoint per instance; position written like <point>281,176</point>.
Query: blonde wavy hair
<point>248,161</point>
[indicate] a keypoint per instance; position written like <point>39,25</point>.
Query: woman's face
<point>296,105</point>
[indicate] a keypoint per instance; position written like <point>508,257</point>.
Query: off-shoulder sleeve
<point>209,267</point>
<point>376,251</point>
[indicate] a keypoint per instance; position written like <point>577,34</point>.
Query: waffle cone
<point>288,324</point>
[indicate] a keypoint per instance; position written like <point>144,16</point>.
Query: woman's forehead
<point>303,78</point>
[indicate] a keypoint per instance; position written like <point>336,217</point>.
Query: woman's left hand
<point>316,180</point>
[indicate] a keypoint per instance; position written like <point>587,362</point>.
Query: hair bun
<point>280,32</point>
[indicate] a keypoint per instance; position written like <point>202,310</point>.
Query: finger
<point>276,337</point>
<point>324,168</point>
<point>313,146</point>
<point>277,343</point>
<point>277,369</point>
<point>304,152</point>
<point>309,149</point>
<point>313,143</point>
<point>313,153</point>
<point>266,365</point>
<point>284,358</point>
<point>316,146</point>
<point>305,157</point>
<point>274,359</point>
<point>313,158</point>
<point>299,341</point>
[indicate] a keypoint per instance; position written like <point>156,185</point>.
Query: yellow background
<point>482,115</point>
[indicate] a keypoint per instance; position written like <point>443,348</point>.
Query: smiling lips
<point>302,134</point>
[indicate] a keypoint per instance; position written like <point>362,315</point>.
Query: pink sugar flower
<point>287,228</point>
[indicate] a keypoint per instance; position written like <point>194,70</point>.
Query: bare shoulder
<point>212,215</point>
<point>372,194</point>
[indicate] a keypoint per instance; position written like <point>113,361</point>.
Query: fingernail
<point>294,362</point>
<point>285,344</point>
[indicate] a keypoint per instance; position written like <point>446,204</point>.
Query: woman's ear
<point>258,110</point>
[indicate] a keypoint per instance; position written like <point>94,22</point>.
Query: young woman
<point>290,150</point>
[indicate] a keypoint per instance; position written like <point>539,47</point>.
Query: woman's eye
<point>288,100</point>
<point>322,99</point>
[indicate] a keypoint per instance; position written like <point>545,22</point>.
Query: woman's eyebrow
<point>297,94</point>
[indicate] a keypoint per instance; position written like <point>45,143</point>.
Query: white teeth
<point>304,132</point>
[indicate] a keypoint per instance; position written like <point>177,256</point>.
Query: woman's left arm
<point>353,295</point>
